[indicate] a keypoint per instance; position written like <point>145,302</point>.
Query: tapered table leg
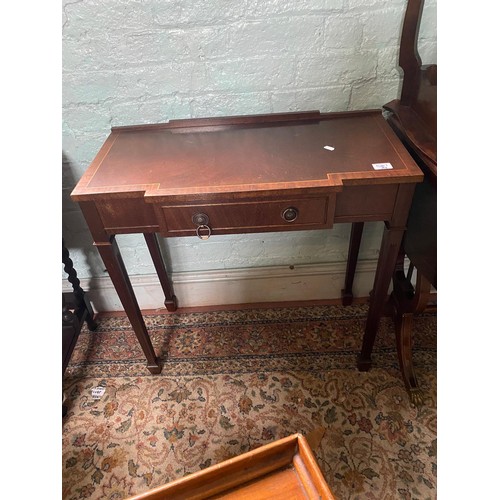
<point>392,239</point>
<point>352,261</point>
<point>161,271</point>
<point>389,250</point>
<point>112,259</point>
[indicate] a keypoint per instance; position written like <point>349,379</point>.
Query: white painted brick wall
<point>130,62</point>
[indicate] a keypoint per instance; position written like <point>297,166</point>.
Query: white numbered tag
<point>381,166</point>
<point>97,392</point>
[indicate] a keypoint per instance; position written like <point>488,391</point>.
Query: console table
<point>246,174</point>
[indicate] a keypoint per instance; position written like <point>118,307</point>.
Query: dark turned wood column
<point>76,308</point>
<point>113,261</point>
<point>80,298</point>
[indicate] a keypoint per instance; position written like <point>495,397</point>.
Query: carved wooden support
<point>81,299</point>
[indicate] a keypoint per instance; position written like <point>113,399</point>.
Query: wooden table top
<point>247,154</point>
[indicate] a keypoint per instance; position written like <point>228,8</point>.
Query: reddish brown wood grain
<point>414,119</point>
<point>243,173</point>
<point>249,216</point>
<point>284,470</point>
<point>163,164</point>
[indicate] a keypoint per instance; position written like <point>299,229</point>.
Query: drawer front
<point>127,215</point>
<point>247,216</point>
<point>366,203</point>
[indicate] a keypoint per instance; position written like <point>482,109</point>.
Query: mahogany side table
<point>246,174</point>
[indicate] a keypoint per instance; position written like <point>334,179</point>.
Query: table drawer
<point>247,216</point>
<point>127,215</point>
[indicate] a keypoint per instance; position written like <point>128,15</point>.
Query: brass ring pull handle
<point>290,214</point>
<point>206,235</point>
<point>203,230</point>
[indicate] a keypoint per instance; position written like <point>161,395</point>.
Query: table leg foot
<point>113,261</point>
<point>91,324</point>
<point>171,304</point>
<point>364,364</point>
<point>155,369</point>
<point>416,396</point>
<point>346,297</point>
<point>161,271</point>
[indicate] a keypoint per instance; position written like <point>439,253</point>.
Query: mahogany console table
<point>246,174</point>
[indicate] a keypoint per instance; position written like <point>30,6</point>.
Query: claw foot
<point>416,396</point>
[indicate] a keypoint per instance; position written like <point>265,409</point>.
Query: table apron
<point>353,204</point>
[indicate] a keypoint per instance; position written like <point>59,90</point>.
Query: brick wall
<point>130,62</point>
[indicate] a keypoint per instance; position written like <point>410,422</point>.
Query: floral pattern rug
<point>235,380</point>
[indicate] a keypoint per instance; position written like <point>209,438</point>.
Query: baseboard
<point>236,286</point>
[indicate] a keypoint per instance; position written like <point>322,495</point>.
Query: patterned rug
<point>235,380</point>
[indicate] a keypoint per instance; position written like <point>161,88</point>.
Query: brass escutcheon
<point>200,219</point>
<point>290,214</point>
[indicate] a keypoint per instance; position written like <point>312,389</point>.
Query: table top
<point>248,154</point>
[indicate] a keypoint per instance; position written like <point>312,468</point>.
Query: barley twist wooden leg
<point>81,298</point>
